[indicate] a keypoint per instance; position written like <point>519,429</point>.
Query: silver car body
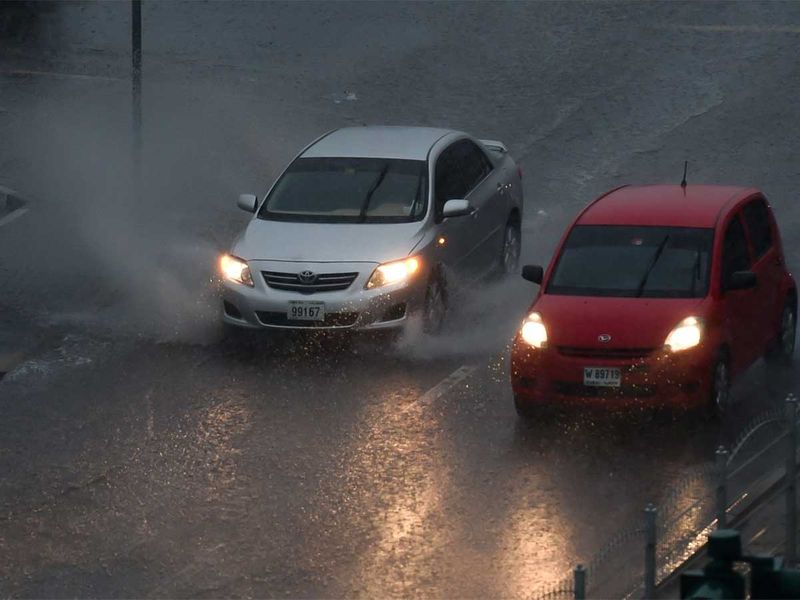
<point>343,256</point>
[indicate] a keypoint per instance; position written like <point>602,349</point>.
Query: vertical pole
<point>722,487</point>
<point>650,552</point>
<point>136,93</point>
<point>791,479</point>
<point>580,582</point>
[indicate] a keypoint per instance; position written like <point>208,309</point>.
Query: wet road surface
<point>145,455</point>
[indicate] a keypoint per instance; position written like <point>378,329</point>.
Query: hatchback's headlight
<point>235,269</point>
<point>686,334</point>
<point>397,271</point>
<point>534,331</point>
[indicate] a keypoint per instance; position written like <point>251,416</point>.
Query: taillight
<point>519,171</point>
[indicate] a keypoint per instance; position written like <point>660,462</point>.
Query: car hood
<point>323,242</point>
<point>631,322</point>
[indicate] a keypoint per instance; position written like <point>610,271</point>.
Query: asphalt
<point>143,454</point>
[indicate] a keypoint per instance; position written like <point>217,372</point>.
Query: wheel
<point>435,307</point>
<point>512,245</point>
<point>720,390</point>
<point>782,349</point>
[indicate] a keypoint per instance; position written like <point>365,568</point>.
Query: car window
<point>473,162</point>
<point>756,215</point>
<point>735,254</point>
<point>633,261</point>
<point>449,182</point>
<point>349,190</point>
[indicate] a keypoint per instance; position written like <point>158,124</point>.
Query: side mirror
<point>533,273</point>
<point>456,208</point>
<point>247,202</point>
<point>741,280</point>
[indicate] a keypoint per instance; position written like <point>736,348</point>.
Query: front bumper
<point>649,378</point>
<point>264,307</point>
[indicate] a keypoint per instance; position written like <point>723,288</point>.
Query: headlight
<point>534,331</point>
<point>235,269</point>
<point>686,334</point>
<point>393,272</point>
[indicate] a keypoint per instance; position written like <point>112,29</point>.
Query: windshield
<point>633,261</point>
<point>349,190</point>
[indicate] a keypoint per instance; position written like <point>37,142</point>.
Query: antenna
<point>685,168</point>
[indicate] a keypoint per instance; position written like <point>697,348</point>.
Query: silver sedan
<point>370,225</point>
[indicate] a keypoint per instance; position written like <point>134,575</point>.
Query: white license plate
<point>304,310</point>
<point>601,377</point>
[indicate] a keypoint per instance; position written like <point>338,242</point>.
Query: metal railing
<point>714,496</point>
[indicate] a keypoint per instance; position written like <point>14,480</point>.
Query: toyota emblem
<point>604,337</point>
<point>307,276</point>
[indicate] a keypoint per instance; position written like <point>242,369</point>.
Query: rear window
<point>634,261</point>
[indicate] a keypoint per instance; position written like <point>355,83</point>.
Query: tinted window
<point>735,254</point>
<point>632,261</point>
<point>756,215</point>
<point>449,183</point>
<point>473,162</point>
<point>349,190</point>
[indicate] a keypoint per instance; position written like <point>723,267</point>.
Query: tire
<point>781,351</point>
<point>434,308</point>
<point>512,247</point>
<point>719,394</point>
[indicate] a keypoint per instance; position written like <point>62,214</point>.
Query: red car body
<point>625,334</point>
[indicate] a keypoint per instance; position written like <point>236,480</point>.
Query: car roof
<point>665,205</point>
<point>411,143</point>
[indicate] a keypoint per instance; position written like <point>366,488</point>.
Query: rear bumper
<point>657,379</point>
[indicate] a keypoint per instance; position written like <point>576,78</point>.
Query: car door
<point>767,265</point>
<point>486,193</point>
<point>456,233</point>
<point>740,307</point>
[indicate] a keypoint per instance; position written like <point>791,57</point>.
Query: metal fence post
<point>791,479</point>
<point>722,487</point>
<point>650,552</point>
<point>580,582</point>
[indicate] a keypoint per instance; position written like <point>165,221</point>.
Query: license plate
<point>601,377</point>
<point>303,310</point>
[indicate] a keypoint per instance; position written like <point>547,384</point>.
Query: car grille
<point>279,319</point>
<point>567,388</point>
<point>324,282</point>
<point>605,352</point>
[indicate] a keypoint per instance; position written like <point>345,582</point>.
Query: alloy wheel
<point>721,386</point>
<point>511,249</point>
<point>435,307</point>
<point>787,332</point>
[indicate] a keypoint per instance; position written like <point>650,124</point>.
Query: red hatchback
<point>656,295</point>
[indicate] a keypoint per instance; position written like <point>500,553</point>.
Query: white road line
<point>446,384</point>
<point>13,216</point>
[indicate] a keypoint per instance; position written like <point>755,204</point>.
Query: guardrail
<point>714,496</point>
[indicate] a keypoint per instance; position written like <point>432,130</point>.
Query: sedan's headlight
<point>687,334</point>
<point>394,272</point>
<point>534,331</point>
<point>235,269</point>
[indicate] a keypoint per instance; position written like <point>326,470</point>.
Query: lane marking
<point>446,384</point>
<point>13,216</point>
<point>740,28</point>
<point>59,74</point>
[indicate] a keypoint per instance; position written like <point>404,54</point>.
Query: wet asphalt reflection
<point>319,466</point>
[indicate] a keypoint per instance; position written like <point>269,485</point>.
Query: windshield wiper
<point>651,266</point>
<point>695,272</point>
<point>368,197</point>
